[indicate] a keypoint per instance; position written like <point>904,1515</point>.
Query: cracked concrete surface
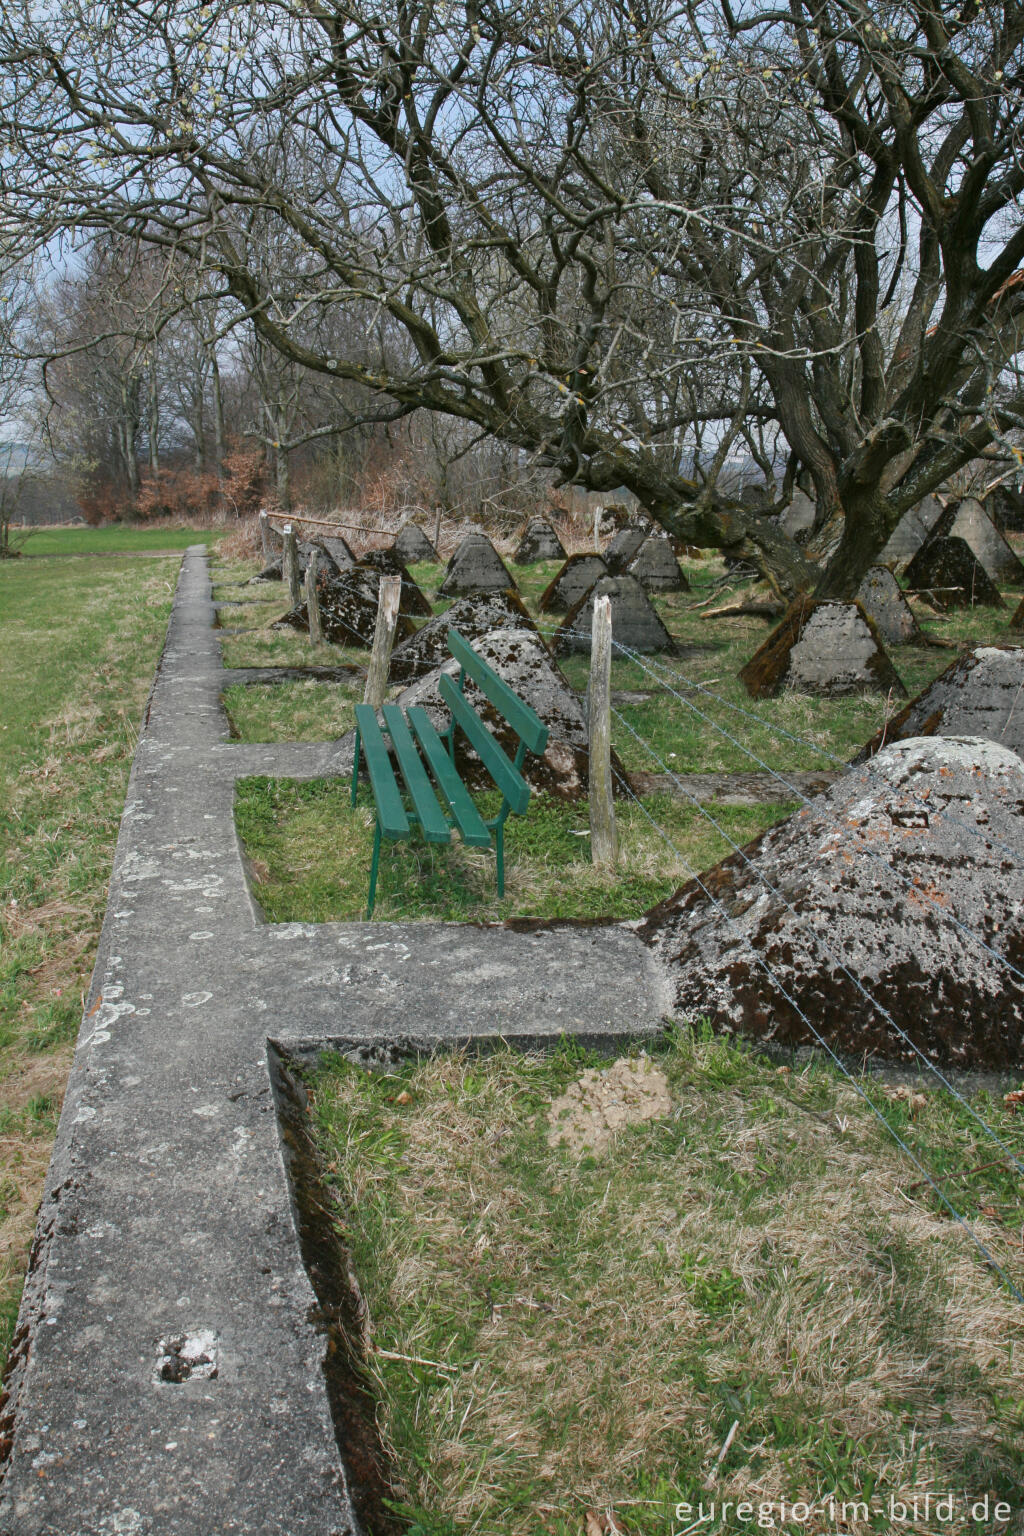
<point>166,1375</point>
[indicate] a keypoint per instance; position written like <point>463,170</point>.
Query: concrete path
<point>166,1246</point>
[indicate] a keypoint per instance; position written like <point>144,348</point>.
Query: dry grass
<point>596,1325</point>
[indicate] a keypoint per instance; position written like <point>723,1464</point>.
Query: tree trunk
<point>154,421</point>
<point>282,478</point>
<point>869,521</point>
<point>744,535</point>
<point>218,415</point>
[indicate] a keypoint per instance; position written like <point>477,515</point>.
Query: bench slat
<point>505,775</point>
<point>467,818</point>
<point>432,819</point>
<point>394,823</point>
<point>524,721</point>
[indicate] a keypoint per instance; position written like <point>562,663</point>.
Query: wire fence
<point>675,686</point>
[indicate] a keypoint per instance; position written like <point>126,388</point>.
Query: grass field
<point>79,649</point>
<point>561,1336</point>
<point>110,539</point>
<point>309,856</point>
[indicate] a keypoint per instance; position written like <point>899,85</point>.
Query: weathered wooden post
<point>316,629</point>
<point>290,565</point>
<point>604,844</point>
<point>437,527</point>
<point>388,603</point>
<point>597,530</point>
<point>265,540</point>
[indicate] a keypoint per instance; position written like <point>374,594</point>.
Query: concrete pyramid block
<point>1005,506</point>
<point>474,616</point>
<point>798,518</point>
<point>1016,623</point>
<point>572,582</point>
<point>635,623</point>
<point>979,694</point>
<point>348,608</point>
<point>973,524</point>
<point>386,563</point>
<point>622,549</point>
<point>656,568</point>
<point>412,545</point>
<point>914,528</point>
<point>303,550</point>
<point>947,572</point>
<point>521,658</point>
<point>848,883</point>
<point>475,566</point>
<point>337,548</point>
<point>822,647</point>
<point>882,600</point>
<point>539,542</point>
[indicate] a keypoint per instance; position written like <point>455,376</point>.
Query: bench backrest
<point>524,721</point>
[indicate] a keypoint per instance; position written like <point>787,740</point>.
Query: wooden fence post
<point>268,548</point>
<point>316,629</point>
<point>597,530</point>
<point>437,527</point>
<point>388,603</point>
<point>290,565</point>
<point>604,844</point>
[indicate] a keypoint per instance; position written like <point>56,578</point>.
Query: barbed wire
<point>776,981</point>
<point>826,948</point>
<point>885,1013</point>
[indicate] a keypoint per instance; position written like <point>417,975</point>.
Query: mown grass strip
<point>81,640</point>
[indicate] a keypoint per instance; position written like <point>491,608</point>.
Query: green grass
<point>111,538</point>
<point>310,852</point>
<point>79,650</point>
<point>295,711</point>
<point>553,1330</point>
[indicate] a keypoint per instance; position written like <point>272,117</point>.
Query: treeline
<point>145,393</point>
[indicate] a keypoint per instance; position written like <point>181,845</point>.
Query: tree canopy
<point>621,236</point>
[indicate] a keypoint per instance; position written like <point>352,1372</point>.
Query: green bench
<point>422,754</point>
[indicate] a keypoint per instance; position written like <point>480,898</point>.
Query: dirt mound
<point>866,888</point>
<point>605,1100</point>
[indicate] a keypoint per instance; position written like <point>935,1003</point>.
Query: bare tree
<point>564,229</point>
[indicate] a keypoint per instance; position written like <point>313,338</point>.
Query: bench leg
<point>373,871</point>
<point>355,770</point>
<point>499,848</point>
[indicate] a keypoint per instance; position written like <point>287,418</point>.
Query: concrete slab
<point>167,1375</point>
